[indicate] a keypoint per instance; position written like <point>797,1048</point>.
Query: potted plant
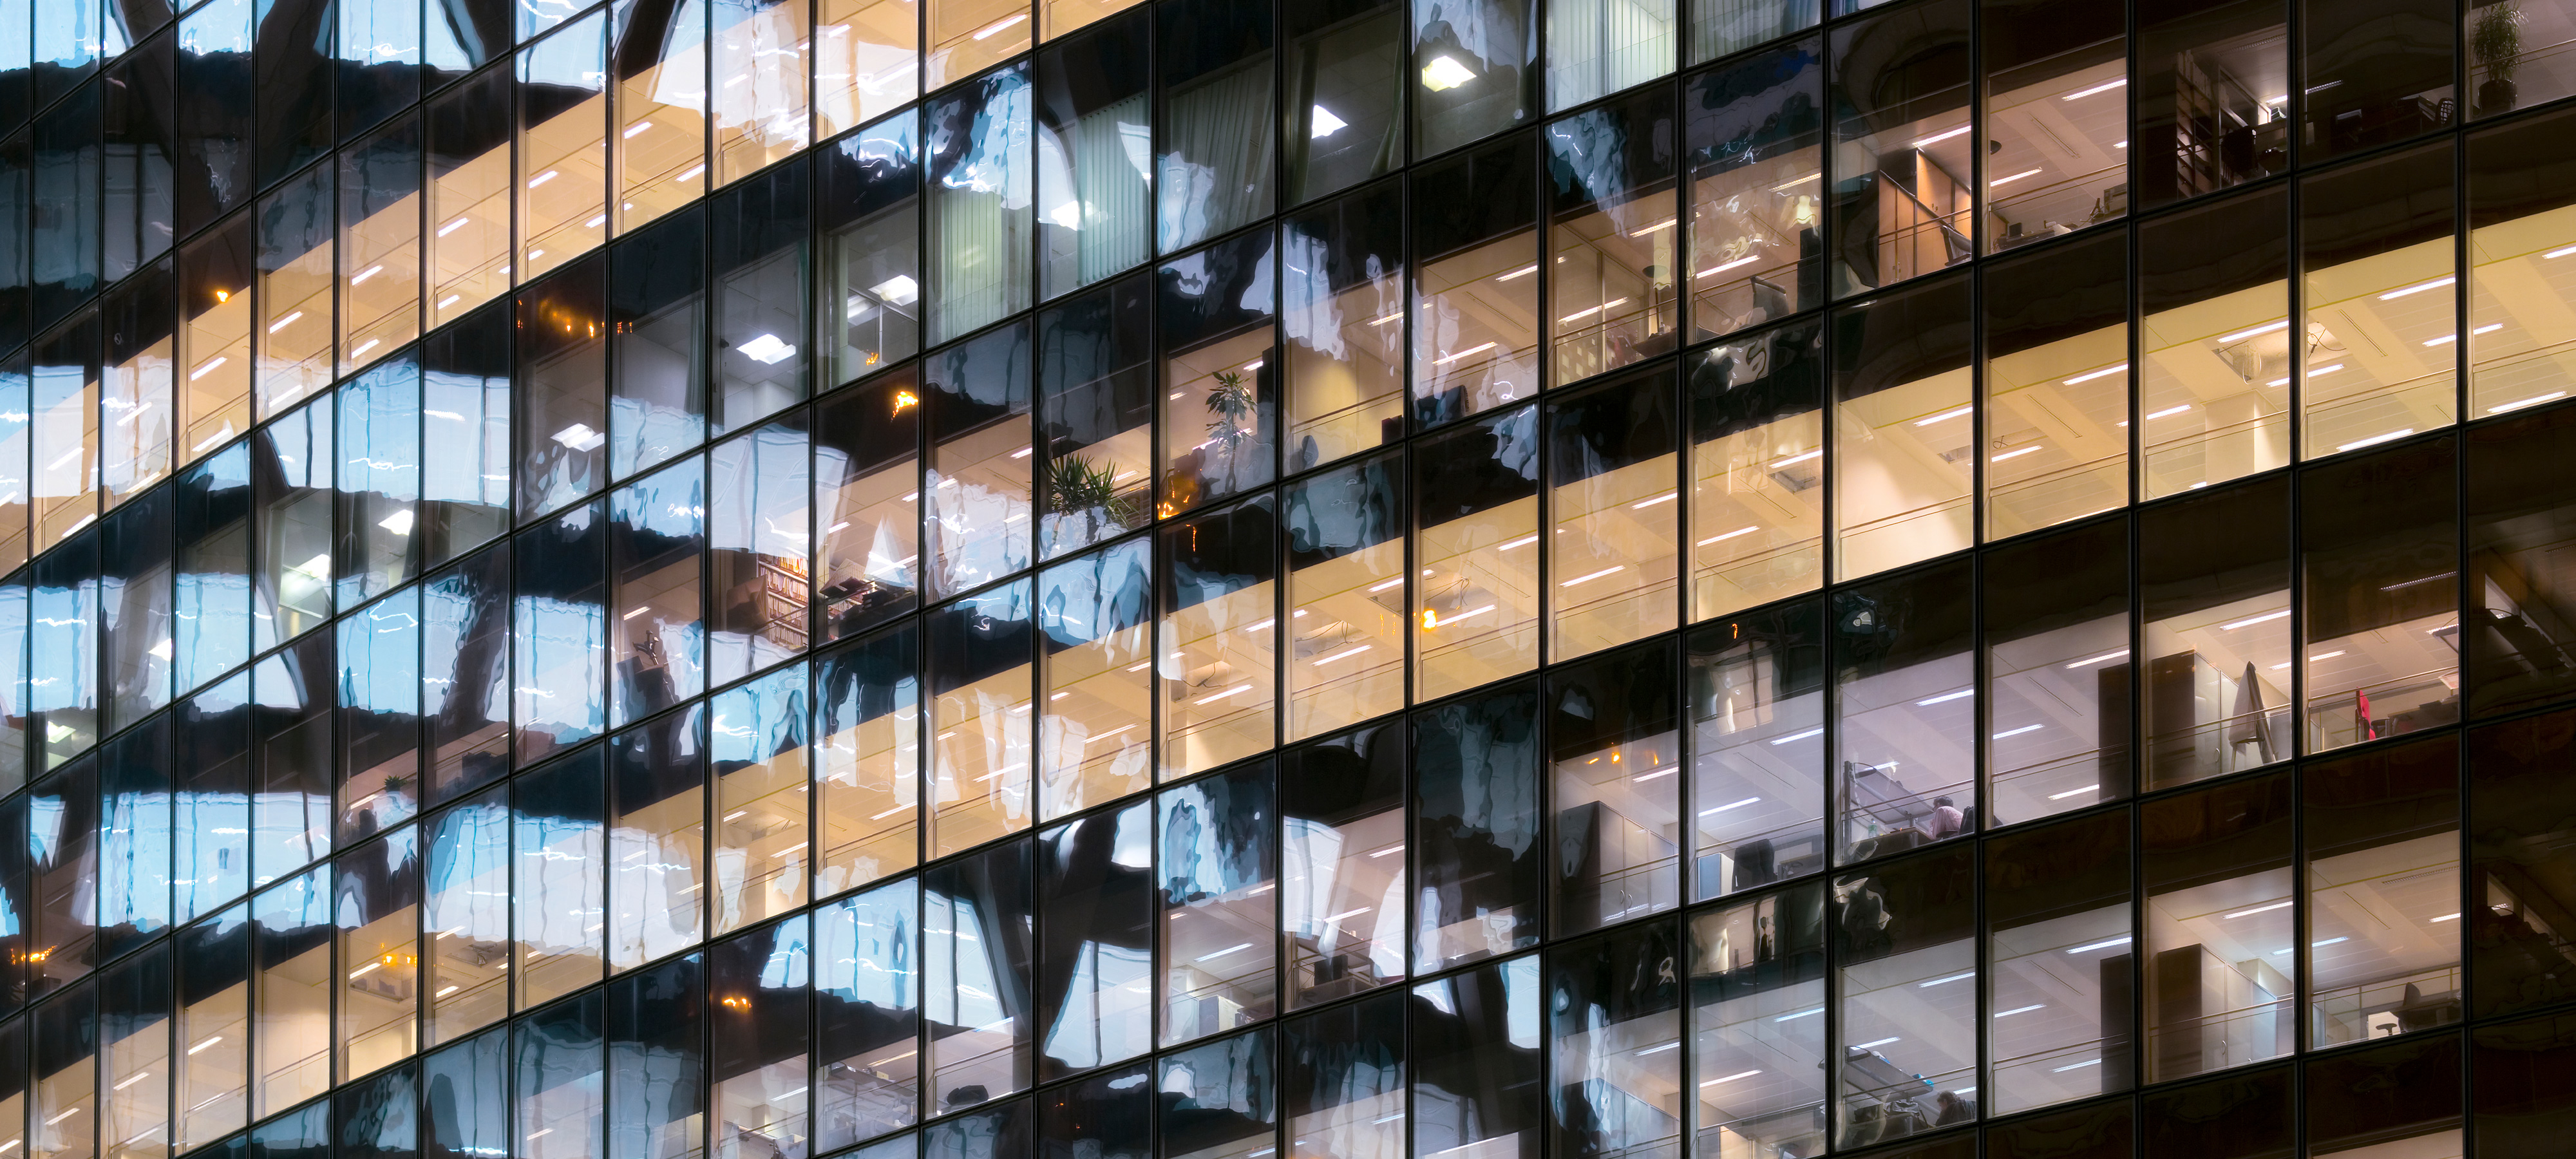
<point>2495,42</point>
<point>1078,489</point>
<point>1231,401</point>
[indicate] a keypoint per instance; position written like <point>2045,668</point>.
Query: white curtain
<point>1215,172</point>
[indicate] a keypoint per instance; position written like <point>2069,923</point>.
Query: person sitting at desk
<point>1945,820</point>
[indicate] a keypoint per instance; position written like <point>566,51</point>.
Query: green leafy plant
<point>1075,483</point>
<point>1231,401</point>
<point>2495,42</point>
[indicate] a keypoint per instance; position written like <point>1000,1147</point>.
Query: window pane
<point>1477,857</point>
<point>1475,306</point>
<point>1219,637</point>
<point>2056,79</point>
<point>1904,430</point>
<point>1756,171</point>
<point>2214,573</point>
<point>2060,963</point>
<point>761,1071</point>
<point>1757,435</point>
<point>867,999</point>
<point>2213,87</point>
<point>656,838</point>
<point>975,980</point>
<point>1476,526</point>
<point>2056,387</point>
<point>1342,281</point>
<point>980,677</point>
<point>657,302</point>
<point>1094,130</point>
<point>469,196</point>
<point>1096,948</point>
<point>2219,928</point>
<point>562,383</point>
<point>966,35</point>
<point>1344,121</point>
<point>759,296</point>
<point>1342,804</point>
<point>2518,793</point>
<point>1905,943</point>
<point>976,524</point>
<point>379,274</point>
<point>1597,47</point>
<point>1757,988</point>
<point>1214,169</point>
<point>757,517</point>
<point>1475,68</point>
<point>2517,56</point>
<point>867,737</point>
<point>864,60</point>
<point>1613,474</point>
<point>660,56</point>
<point>1346,595</point>
<point>1614,1006</point>
<point>2378,288</point>
<point>561,1057</point>
<point>2382,839</point>
<point>870,271</point>
<point>214,338</point>
<point>2379,544</point>
<point>213,1033</point>
<point>2520,510</point>
<point>1474,1049</point>
<point>1904,202</point>
<point>768,116</point>
<point>867,499</point>
<point>136,395</point>
<point>1095,739</point>
<point>2375,71</point>
<point>1905,711</point>
<point>1614,751</point>
<point>291,952</point>
<point>1756,689</point>
<point>2056,636</point>
<point>2522,216</point>
<point>2213,390</point>
<point>1096,386</point>
<point>1219,352</point>
<point>563,146</point>
<point>977,234</point>
<point>379,918</point>
<point>467,915</point>
<point>557,896</point>
<point>756,745</point>
<point>1220,908</point>
<point>1613,229</point>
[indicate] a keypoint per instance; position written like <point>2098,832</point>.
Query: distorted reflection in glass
<point>1615,761</point>
<point>1342,906</point>
<point>1219,354</point>
<point>977,490</point>
<point>1479,863</point>
<point>1905,983</point>
<point>867,503</point>
<point>1346,599</point>
<point>1613,475</point>
<point>1095,968</point>
<point>1219,877</point>
<point>981,701</point>
<point>975,920</point>
<point>1614,1031</point>
<point>867,996</point>
<point>1475,300</point>
<point>761,1070</point>
<point>2057,119</point>
<point>1905,712</point>
<point>1476,601</point>
<point>1341,289</point>
<point>1756,172</point>
<point>1474,1052</point>
<point>1613,231</point>
<point>1095,388</point>
<point>1344,1072</point>
<point>1757,1029</point>
<point>1904,199</point>
<point>1218,637</point>
<point>1095,740</point>
<point>756,748</point>
<point>1757,690</point>
<point>867,760</point>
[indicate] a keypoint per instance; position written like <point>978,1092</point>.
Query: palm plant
<point>2495,41</point>
<point>1232,401</point>
<point>1077,487</point>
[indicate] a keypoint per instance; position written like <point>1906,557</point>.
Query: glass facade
<point>1190,579</point>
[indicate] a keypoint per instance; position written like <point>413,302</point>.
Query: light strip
<point>1937,138</point>
<point>2419,287</point>
<point>2105,372</point>
<point>2534,400</point>
<point>2250,621</point>
<point>2242,335</point>
<point>2104,87</point>
<point>1951,413</point>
